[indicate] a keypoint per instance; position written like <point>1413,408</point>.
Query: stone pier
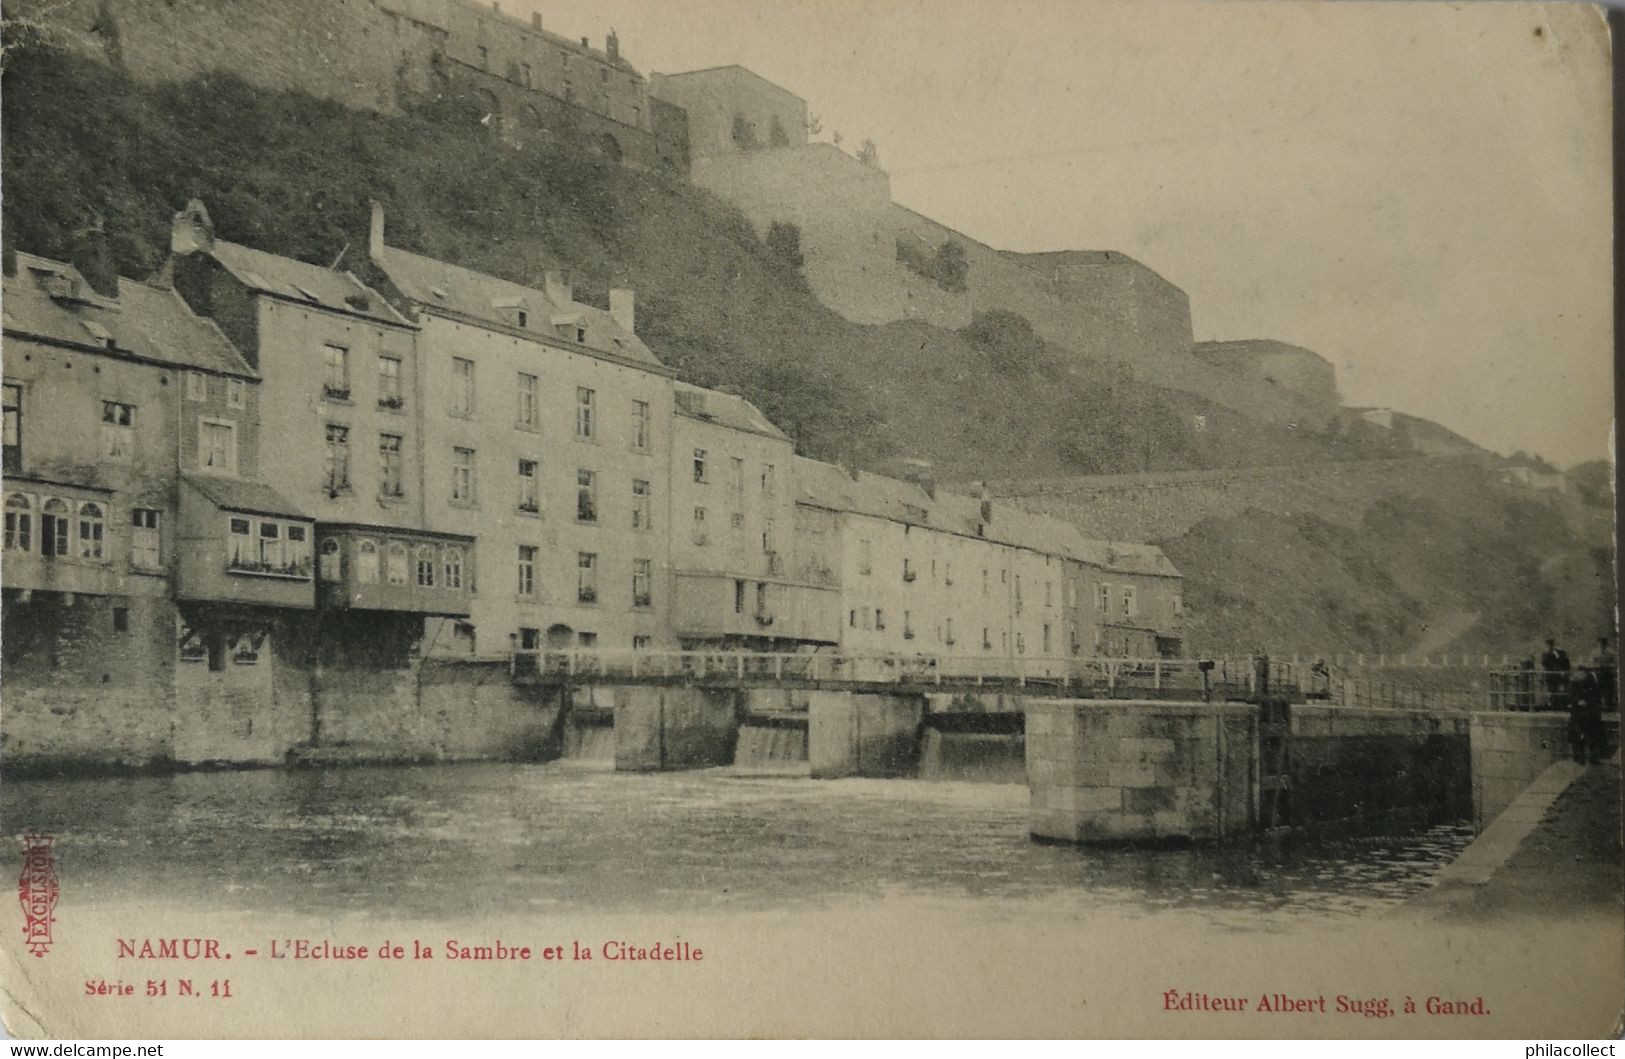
<point>1129,771</point>
<point>863,734</point>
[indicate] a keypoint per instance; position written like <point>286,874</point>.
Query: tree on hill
<point>1594,482</point>
<point>783,243</point>
<point>1007,340</point>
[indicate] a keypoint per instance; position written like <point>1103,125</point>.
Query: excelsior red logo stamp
<point>37,890</point>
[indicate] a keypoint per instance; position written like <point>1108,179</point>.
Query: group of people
<point>1585,692</point>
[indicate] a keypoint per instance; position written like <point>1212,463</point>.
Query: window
<point>950,637</point>
<point>270,556</point>
<point>851,617</point>
<point>947,573</point>
<point>1103,598</point>
<point>586,577</point>
<point>1046,639</point>
<point>240,544</point>
<point>336,373</point>
<point>909,573</point>
<point>528,413</point>
<point>530,639</point>
<point>864,557</point>
<point>880,619</point>
<point>737,482</point>
<point>699,465</point>
<point>217,445</point>
<point>761,601</point>
<point>642,508</point>
<point>1049,589</point>
<point>586,496</point>
<point>454,568</point>
<point>739,600</point>
<point>121,619</point>
<point>298,551</point>
<point>642,643</point>
<point>529,499</point>
<point>586,407</point>
<point>329,566</point>
<point>462,387</point>
<point>426,566</point>
<point>699,526</point>
<point>767,536</point>
<point>395,563</point>
<point>987,641</point>
<point>769,479</point>
<point>145,552</point>
<point>13,427</point>
<point>54,528</point>
<point>118,430</point>
<point>366,562</point>
<point>197,386</point>
<point>19,523</point>
<point>640,426</point>
<point>642,582</point>
<point>908,625</point>
<point>581,334</point>
<point>92,532</point>
<point>235,393</point>
<point>1179,604</point>
<point>462,477</point>
<point>1131,604</point>
<point>984,580</point>
<point>1018,593</point>
<point>1021,643</point>
<point>389,466</point>
<point>737,520</point>
<point>389,383</point>
<point>337,460</point>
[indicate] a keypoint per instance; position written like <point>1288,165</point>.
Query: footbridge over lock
<point>1111,750</point>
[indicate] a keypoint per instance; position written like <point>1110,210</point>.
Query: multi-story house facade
<point>341,428</point>
<point>737,576</point>
<point>1126,601</point>
<point>142,556</point>
<point>547,432</point>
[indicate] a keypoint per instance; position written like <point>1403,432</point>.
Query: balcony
<point>241,542</point>
<point>335,393</point>
<point>54,555</point>
<point>386,568</point>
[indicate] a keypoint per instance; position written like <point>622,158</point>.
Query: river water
<point>507,839</point>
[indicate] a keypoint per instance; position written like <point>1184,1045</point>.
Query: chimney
<point>621,302</point>
<point>375,234</point>
<point>536,21</point>
<point>612,46</point>
<point>586,42</point>
<point>557,287</point>
<point>191,231</point>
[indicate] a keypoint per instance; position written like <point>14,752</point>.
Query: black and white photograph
<point>808,519</point>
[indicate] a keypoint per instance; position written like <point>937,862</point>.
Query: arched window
<point>329,566</point>
<point>53,527</point>
<point>395,563</point>
<point>366,563</point>
<point>92,531</point>
<point>425,566</point>
<point>454,568</point>
<point>19,523</point>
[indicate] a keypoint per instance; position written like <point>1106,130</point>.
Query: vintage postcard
<point>803,518</point>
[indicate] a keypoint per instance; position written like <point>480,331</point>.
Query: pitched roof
<point>244,495</point>
<point>149,322</point>
<point>828,486</point>
<point>725,409</point>
<point>481,297</point>
<point>288,278</point>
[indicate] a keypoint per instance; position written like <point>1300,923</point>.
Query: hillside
<point>95,165</point>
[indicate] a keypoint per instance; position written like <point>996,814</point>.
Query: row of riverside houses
<point>227,483</point>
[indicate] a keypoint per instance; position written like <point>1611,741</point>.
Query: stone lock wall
<point>1510,749</point>
<point>1140,771</point>
<point>1378,767</point>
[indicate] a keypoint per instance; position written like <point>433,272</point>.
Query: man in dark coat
<point>1587,738</point>
<point>1554,665</point>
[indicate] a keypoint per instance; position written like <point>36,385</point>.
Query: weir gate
<point>1112,750</point>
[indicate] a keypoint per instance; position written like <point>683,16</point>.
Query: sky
<point>1419,192</point>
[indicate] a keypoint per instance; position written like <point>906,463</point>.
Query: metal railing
<point>1102,675</point>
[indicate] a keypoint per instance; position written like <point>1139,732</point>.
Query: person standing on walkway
<point>1554,665</point>
<point>1587,738</point>
<point>1605,665</point>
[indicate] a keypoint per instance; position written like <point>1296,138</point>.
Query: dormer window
<point>102,336</point>
<point>524,318</point>
<point>581,334</point>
